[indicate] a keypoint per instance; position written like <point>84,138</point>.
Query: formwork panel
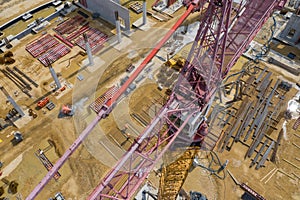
<point>41,45</point>
<point>96,39</point>
<point>54,54</point>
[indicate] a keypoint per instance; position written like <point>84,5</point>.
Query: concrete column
<point>118,26</point>
<point>12,101</point>
<point>54,76</point>
<point>88,50</point>
<point>15,105</point>
<point>144,12</point>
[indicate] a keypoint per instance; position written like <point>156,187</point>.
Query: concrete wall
<point>294,23</point>
<point>106,9</point>
<point>295,71</point>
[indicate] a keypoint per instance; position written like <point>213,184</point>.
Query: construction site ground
<point>83,171</point>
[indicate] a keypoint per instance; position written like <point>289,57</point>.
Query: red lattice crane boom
<point>222,37</point>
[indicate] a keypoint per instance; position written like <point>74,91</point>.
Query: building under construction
<point>197,100</point>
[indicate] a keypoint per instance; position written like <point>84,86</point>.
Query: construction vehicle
<point>176,63</point>
<point>17,138</point>
<point>67,110</point>
<point>50,105</point>
<point>43,102</point>
<point>32,113</point>
<point>171,62</point>
<point>58,196</point>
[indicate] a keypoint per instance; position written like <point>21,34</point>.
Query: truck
<point>18,137</point>
<point>43,102</point>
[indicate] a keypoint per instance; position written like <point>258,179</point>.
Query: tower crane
<point>224,33</point>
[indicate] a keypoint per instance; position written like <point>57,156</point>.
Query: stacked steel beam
<point>77,33</point>
<point>96,39</point>
<point>63,40</point>
<point>47,163</point>
<point>70,25</point>
<point>41,45</point>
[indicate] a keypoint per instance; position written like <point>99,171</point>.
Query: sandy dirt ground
<point>82,172</point>
<point>20,162</point>
<point>12,8</point>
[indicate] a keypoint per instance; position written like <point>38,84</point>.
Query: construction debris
<point>7,58</point>
<point>268,174</point>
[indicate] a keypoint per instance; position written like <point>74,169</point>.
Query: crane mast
<point>222,37</point>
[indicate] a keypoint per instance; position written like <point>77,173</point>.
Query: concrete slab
<point>98,62</point>
<point>178,41</point>
<point>119,46</point>
<point>127,33</point>
<point>144,27</point>
<point>10,167</point>
<point>24,120</point>
<point>289,32</point>
<point>132,54</point>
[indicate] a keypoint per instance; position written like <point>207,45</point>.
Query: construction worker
<point>127,135</point>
